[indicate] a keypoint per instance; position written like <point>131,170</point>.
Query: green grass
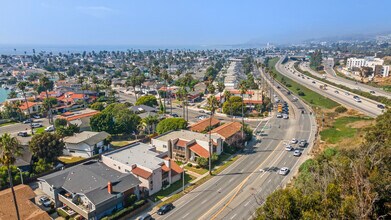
<point>8,123</point>
<point>200,170</point>
<point>117,144</point>
<point>341,129</point>
<point>70,159</point>
<point>39,130</point>
<point>175,186</point>
<point>311,97</point>
<point>225,165</point>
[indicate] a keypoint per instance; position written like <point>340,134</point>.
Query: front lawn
<point>174,187</point>
<point>117,144</point>
<point>8,123</point>
<point>39,130</point>
<point>67,160</point>
<point>196,170</point>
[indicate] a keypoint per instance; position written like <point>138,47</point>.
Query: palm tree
<point>47,85</point>
<point>213,104</point>
<point>9,149</point>
<point>150,121</point>
<point>22,86</point>
<point>243,90</point>
<point>220,88</point>
<point>134,82</point>
<point>81,80</point>
<point>182,94</point>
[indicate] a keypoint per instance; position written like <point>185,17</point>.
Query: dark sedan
<point>165,208</point>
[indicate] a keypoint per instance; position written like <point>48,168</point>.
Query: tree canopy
<point>115,119</point>
<point>170,124</point>
<point>149,100</point>
<point>46,146</point>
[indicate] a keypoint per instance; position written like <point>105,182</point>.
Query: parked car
<point>297,153</point>
<point>279,115</point>
<point>36,125</point>
<point>50,128</point>
<point>28,121</point>
<point>201,111</point>
<point>37,116</point>
<point>165,208</point>
<point>23,133</point>
<point>285,116</point>
<point>372,92</point>
<point>45,201</point>
<point>283,171</point>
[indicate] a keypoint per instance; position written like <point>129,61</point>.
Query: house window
<point>119,167</point>
<point>127,171</point>
<point>164,146</point>
<point>72,151</point>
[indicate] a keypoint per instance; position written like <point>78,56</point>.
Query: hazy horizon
<point>186,23</point>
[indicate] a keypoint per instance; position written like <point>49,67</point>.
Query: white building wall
<point>78,150</point>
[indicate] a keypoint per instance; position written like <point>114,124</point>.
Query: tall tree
<point>220,88</point>
<point>243,90</point>
<point>9,149</point>
<point>47,146</point>
<point>47,86</point>
<point>22,86</point>
<point>81,80</point>
<point>213,104</point>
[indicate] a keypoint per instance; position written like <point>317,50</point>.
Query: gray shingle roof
<point>88,137</point>
<point>90,179</point>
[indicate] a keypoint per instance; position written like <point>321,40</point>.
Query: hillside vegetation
<point>340,183</point>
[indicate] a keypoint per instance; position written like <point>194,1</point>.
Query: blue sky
<point>181,22</point>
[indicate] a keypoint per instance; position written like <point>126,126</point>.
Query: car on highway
<point>283,171</point>
<point>302,143</point>
<point>165,208</point>
<point>297,153</point>
<point>36,125</point>
<point>308,77</point>
<point>356,98</point>
<point>23,133</point>
<point>45,201</point>
<point>372,92</point>
<point>294,141</point>
<point>336,91</point>
<point>146,217</point>
<point>49,128</point>
<point>278,87</point>
<point>313,82</point>
<point>295,99</point>
<point>381,106</point>
<point>27,121</point>
<point>288,147</point>
<point>346,93</point>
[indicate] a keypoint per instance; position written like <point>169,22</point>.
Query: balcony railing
<point>77,208</point>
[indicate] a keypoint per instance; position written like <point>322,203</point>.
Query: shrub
<point>190,165</point>
<point>63,214</point>
<point>170,124</point>
<point>301,93</point>
<point>340,109</point>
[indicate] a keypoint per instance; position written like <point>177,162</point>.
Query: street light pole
<point>21,175</point>
<point>183,182</point>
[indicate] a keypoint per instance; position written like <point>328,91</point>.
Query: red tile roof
<point>165,168</point>
<point>247,101</point>
<point>141,173</point>
<point>228,129</point>
<point>181,143</point>
<point>234,91</point>
<point>23,106</point>
<point>204,124</point>
<point>199,150</point>
<point>78,116</point>
<point>175,168</point>
<point>27,209</point>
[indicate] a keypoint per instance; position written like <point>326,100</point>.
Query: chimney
<point>109,188</point>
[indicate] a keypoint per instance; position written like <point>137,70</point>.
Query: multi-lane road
<point>239,190</point>
<point>366,106</point>
<point>334,78</point>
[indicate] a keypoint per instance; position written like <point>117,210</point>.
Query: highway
<point>242,187</point>
<point>366,106</point>
<point>334,78</point>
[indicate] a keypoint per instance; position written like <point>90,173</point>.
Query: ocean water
<point>3,94</point>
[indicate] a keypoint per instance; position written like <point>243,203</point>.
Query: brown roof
<point>228,129</point>
<point>141,172</point>
<point>175,168</point>
<point>165,168</point>
<point>27,209</point>
<point>181,143</point>
<point>78,116</point>
<point>203,124</point>
<point>199,150</point>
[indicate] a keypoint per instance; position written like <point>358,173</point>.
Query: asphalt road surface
<point>240,189</point>
<point>341,96</point>
<point>333,77</point>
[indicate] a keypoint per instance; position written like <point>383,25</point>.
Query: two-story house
<point>86,144</point>
<point>153,169</point>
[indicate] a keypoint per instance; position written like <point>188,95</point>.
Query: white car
<point>283,171</point>
<point>36,125</point>
<point>288,147</point>
<point>50,128</point>
<point>294,141</point>
<point>45,201</point>
<point>36,116</point>
<point>297,153</point>
<point>285,116</point>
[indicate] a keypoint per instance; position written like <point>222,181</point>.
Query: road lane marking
<point>204,201</point>
<point>269,181</point>
<point>247,203</point>
<point>234,216</point>
<point>185,215</point>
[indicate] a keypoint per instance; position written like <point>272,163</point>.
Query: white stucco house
<point>86,144</point>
